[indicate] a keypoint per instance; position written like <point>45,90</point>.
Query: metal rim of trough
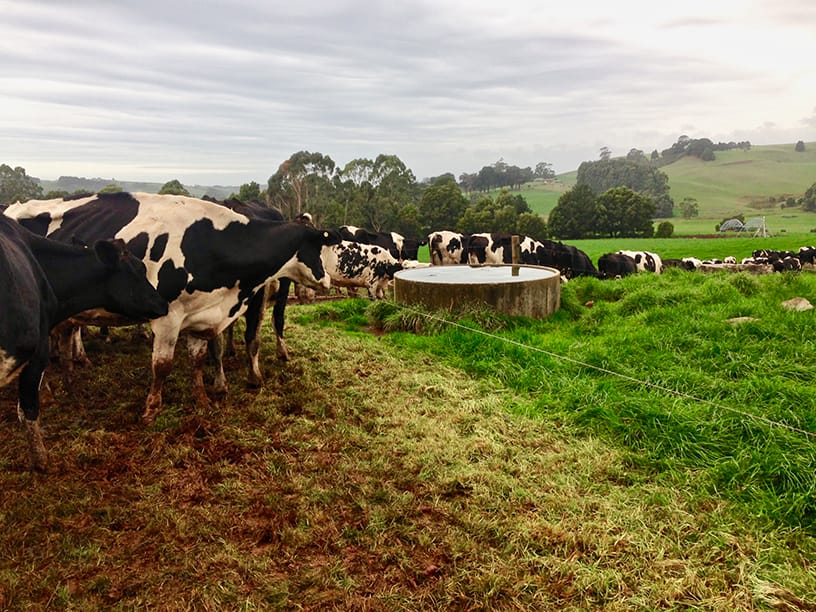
<point>523,290</point>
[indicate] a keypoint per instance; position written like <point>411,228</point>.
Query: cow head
<point>127,290</point>
<point>306,267</point>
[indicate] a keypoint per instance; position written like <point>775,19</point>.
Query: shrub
<point>665,230</point>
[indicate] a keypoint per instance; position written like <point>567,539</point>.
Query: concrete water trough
<point>535,291</point>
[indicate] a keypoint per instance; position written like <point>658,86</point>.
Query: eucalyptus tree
<point>303,183</point>
<point>16,186</point>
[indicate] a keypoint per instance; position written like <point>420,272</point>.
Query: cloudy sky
<point>216,92</point>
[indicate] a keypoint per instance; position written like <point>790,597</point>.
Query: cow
<point>616,265</point>
<point>43,282</point>
<point>448,247</point>
<point>484,248</point>
<point>691,263</point>
<point>353,264</point>
<point>807,254</point>
<point>275,292</point>
<point>645,261</point>
<point>208,261</point>
<point>400,247</point>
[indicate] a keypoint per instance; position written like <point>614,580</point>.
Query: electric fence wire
<point>645,383</point>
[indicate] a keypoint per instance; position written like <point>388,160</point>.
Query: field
<point>752,183</point>
<point>641,453</point>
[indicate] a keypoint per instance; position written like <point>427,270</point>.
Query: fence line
<point>626,377</point>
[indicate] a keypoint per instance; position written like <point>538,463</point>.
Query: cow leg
<point>197,349</point>
<point>252,337</point>
<point>217,348</point>
<point>28,411</point>
<point>77,348</point>
<point>278,318</point>
<point>165,335</point>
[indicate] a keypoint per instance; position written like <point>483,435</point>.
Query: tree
<point>665,229</point>
<point>544,170</point>
<point>302,182</point>
<point>15,186</point>
<point>605,153</point>
<point>624,213</point>
<point>111,188</point>
<point>643,178</point>
<point>809,199</point>
<point>800,146</point>
<point>532,225</point>
<point>249,192</point>
<point>174,187</point>
<point>575,214</point>
<point>441,206</point>
<point>689,207</point>
<point>637,156</point>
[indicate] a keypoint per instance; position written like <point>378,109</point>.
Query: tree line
<point>613,197</point>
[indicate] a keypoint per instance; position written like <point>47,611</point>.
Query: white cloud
<point>222,93</point>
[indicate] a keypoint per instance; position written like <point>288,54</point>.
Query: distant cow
<point>208,261</point>
<point>448,247</point>
<point>616,265</point>
<point>43,282</point>
<point>807,254</point>
<point>496,248</point>
<point>645,261</point>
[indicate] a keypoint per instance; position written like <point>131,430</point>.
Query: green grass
<point>672,331</point>
<point>436,471</point>
<point>738,181</point>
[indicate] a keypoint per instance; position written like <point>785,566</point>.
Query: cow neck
<point>74,273</point>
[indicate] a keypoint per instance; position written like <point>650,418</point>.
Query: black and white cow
<point>400,247</point>
<point>43,282</point>
<point>353,264</point>
<point>616,265</point>
<point>645,261</point>
<point>497,248</point>
<point>276,292</point>
<point>807,255</point>
<point>208,261</point>
<point>448,247</point>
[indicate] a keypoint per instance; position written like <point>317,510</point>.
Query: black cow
<point>807,254</point>
<point>616,265</point>
<point>208,261</point>
<point>43,282</point>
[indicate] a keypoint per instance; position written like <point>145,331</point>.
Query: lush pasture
<point>702,248</point>
<point>672,333</point>
<point>743,181</point>
<point>736,182</point>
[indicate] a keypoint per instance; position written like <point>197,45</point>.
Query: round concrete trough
<point>535,292</point>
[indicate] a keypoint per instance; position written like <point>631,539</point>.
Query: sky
<point>213,92</point>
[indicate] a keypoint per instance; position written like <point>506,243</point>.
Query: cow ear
<point>107,252</point>
<point>331,237</point>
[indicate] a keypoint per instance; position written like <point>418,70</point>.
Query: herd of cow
<point>195,266</point>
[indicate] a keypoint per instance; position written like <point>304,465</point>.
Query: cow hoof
<point>254,383</point>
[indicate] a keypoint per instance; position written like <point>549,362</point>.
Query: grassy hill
<point>752,183</point>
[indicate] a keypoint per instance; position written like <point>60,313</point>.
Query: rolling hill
<point>752,182</point>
